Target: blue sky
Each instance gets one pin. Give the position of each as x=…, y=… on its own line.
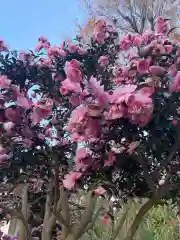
x=23, y=21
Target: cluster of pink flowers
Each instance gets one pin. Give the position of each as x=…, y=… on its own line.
x=93, y=105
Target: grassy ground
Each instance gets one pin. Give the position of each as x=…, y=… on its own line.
x=160, y=223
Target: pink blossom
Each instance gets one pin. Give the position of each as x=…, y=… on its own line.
x=161, y=182
x=105, y=219
x=40, y=45
x=100, y=191
x=3, y=47
x=110, y=160
x=148, y=91
x=3, y=158
x=53, y=51
x=72, y=70
x=13, y=114
x=174, y=122
x=143, y=65
x=168, y=48
x=57, y=77
x=157, y=70
x=103, y=61
x=82, y=159
x=161, y=26
x=126, y=42
x=81, y=51
x=80, y=126
x=42, y=39
x=137, y=40
x=70, y=179
x=70, y=86
x=72, y=48
x=140, y=109
x=23, y=102
x=172, y=70
x=2, y=150
x=98, y=91
x=117, y=108
x=41, y=110
x=8, y=126
x=175, y=84
x=45, y=62
x=4, y=82
x=75, y=100
x=99, y=33
x=63, y=90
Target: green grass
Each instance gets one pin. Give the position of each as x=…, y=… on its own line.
x=159, y=224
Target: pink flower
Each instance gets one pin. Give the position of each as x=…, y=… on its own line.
x=40, y=45
x=126, y=42
x=161, y=182
x=143, y=65
x=45, y=62
x=157, y=70
x=80, y=126
x=117, y=108
x=72, y=70
x=172, y=70
x=72, y=48
x=175, y=84
x=103, y=61
x=140, y=109
x=3, y=158
x=100, y=191
x=70, y=86
x=41, y=110
x=70, y=179
x=2, y=150
x=99, y=33
x=81, y=51
x=98, y=91
x=174, y=122
x=8, y=126
x=82, y=159
x=23, y=102
x=137, y=40
x=161, y=26
x=63, y=90
x=3, y=47
x=4, y=82
x=105, y=219
x=13, y=115
x=148, y=91
x=168, y=48
x=42, y=39
x=110, y=160
x=54, y=51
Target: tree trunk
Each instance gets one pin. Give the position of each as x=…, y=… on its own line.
x=23, y=232
x=13, y=227
x=70, y=237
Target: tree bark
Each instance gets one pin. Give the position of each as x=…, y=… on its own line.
x=23, y=224
x=139, y=217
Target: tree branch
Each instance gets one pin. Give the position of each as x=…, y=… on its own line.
x=121, y=222
x=87, y=216
x=139, y=217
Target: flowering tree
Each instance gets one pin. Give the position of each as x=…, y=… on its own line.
x=72, y=117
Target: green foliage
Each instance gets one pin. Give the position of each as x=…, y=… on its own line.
x=161, y=223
